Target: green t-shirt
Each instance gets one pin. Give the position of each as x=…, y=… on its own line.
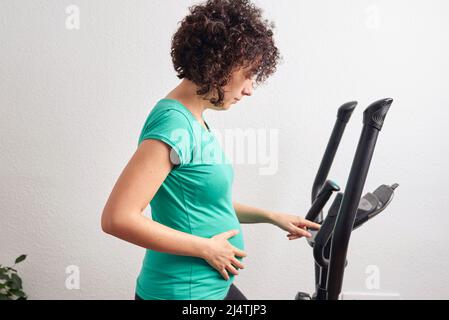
x=195, y=198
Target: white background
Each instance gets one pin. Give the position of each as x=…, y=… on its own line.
x=73, y=103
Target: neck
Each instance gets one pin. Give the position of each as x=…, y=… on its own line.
x=185, y=93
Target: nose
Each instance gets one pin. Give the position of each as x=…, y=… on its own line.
x=248, y=91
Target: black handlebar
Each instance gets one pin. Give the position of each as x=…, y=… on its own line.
x=321, y=199
x=374, y=117
x=343, y=116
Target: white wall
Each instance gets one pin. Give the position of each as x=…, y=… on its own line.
x=73, y=103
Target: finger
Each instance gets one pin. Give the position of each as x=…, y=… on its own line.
x=311, y=225
x=230, y=234
x=291, y=235
x=237, y=263
x=301, y=232
x=232, y=269
x=293, y=227
x=224, y=274
x=239, y=252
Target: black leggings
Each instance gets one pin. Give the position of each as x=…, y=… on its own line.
x=233, y=294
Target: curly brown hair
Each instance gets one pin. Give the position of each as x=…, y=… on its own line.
x=219, y=37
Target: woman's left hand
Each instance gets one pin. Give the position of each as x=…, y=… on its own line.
x=295, y=225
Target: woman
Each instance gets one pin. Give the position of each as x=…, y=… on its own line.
x=194, y=241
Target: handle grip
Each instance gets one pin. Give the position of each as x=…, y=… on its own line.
x=374, y=116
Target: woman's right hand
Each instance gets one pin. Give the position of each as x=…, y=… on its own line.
x=221, y=255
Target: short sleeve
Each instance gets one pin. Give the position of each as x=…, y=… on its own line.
x=173, y=128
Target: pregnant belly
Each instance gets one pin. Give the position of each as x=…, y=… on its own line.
x=209, y=222
x=166, y=276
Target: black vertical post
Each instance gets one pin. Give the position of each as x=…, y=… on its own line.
x=343, y=116
x=374, y=117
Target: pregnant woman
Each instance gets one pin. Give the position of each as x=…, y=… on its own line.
x=194, y=242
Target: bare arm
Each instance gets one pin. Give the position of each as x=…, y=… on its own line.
x=123, y=213
x=247, y=214
x=294, y=224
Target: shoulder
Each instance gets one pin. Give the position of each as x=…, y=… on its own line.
x=165, y=110
x=167, y=123
x=167, y=117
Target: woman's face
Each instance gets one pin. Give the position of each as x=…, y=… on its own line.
x=241, y=84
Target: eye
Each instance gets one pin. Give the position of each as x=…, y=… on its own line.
x=251, y=76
